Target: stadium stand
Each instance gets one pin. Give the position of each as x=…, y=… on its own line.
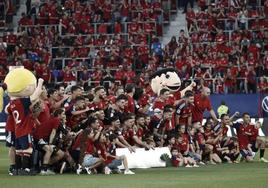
x=59, y=34
x=96, y=57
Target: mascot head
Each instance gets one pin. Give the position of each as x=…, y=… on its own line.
x=165, y=78
x=19, y=83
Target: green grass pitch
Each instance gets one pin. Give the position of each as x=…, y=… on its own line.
x=243, y=175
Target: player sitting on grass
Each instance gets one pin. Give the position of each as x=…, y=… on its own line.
x=179, y=160
x=222, y=128
x=160, y=122
x=193, y=147
x=184, y=145
x=171, y=142
x=202, y=148
x=212, y=140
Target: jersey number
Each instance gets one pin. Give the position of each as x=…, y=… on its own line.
x=16, y=116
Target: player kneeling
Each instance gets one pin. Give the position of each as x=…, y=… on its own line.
x=257, y=142
x=83, y=151
x=106, y=147
x=44, y=135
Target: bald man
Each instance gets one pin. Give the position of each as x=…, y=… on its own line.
x=201, y=104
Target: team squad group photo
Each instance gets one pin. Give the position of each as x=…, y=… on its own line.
x=134, y=87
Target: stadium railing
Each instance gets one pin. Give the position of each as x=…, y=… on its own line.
x=258, y=3
x=91, y=49
x=236, y=21
x=125, y=26
x=213, y=81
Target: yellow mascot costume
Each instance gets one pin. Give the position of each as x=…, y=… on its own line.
x=23, y=90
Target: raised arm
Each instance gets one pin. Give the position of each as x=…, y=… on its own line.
x=37, y=92
x=234, y=116
x=189, y=87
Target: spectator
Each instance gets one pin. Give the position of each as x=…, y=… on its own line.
x=243, y=19
x=202, y=103
x=222, y=109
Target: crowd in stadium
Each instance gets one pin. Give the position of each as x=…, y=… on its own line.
x=87, y=40
x=77, y=126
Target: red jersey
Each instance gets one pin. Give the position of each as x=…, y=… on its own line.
x=130, y=75
x=133, y=27
x=97, y=76
x=200, y=105
x=176, y=161
x=170, y=125
x=74, y=120
x=179, y=64
x=102, y=152
x=243, y=138
x=90, y=149
x=130, y=108
x=27, y=64
x=101, y=104
x=76, y=143
x=44, y=130
x=158, y=103
x=69, y=76
x=140, y=133
x=200, y=138
x=24, y=122
x=209, y=134
x=117, y=28
x=255, y=133
x=144, y=100
x=224, y=131
x=45, y=114
x=128, y=136
x=2, y=73
x=183, y=146
x=102, y=28
x=190, y=16
x=11, y=39
x=184, y=111
x=10, y=124
x=3, y=54
x=125, y=9
x=173, y=98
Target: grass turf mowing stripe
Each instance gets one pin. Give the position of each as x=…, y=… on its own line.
x=246, y=175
